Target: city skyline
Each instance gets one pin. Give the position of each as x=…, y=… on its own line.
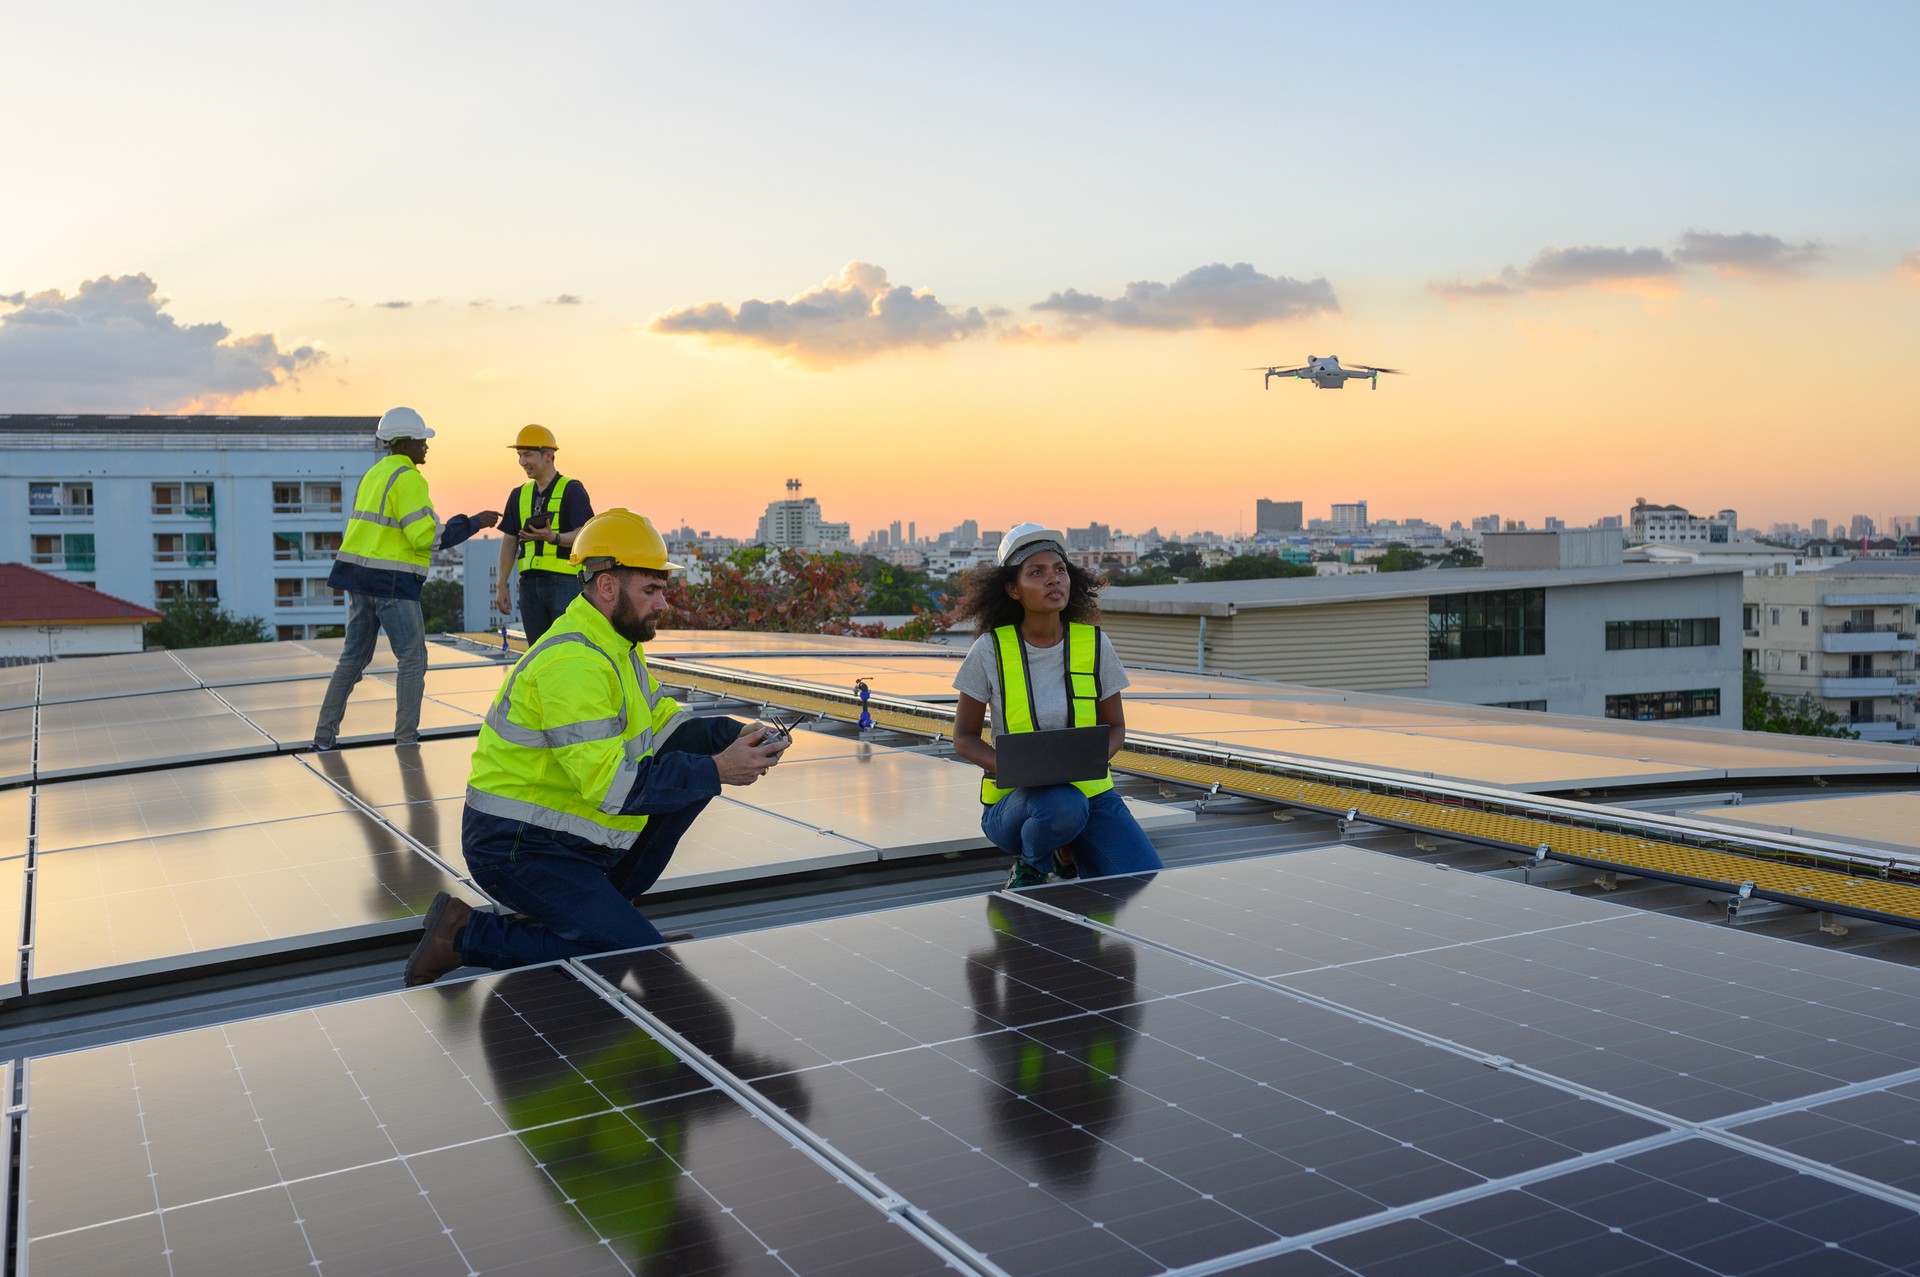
x=1018, y=263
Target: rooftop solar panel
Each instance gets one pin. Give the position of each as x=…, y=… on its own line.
x=94, y=737
x=1873, y=1135
x=163, y=904
x=1715, y=755
x=513, y=1123
x=1698, y=1022
x=120, y=674
x=19, y=686
x=287, y=711
x=1688, y=1207
x=731, y=842
x=16, y=811
x=439, y=655
x=16, y=745
x=78, y=813
x=381, y=775
x=13, y=902
x=1890, y=821
x=467, y=678
x=254, y=663
x=1134, y=1120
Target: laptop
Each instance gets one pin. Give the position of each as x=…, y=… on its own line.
x=1026, y=759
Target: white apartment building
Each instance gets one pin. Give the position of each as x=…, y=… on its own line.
x=244, y=511
x=795, y=524
x=1845, y=636
x=1673, y=525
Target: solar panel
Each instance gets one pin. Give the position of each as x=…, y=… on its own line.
x=13, y=903
x=287, y=711
x=467, y=678
x=733, y=843
x=16, y=810
x=79, y=813
x=16, y=745
x=1689, y=1207
x=512, y=1123
x=903, y=804
x=162, y=904
x=87, y=737
x=1699, y=1022
x=1873, y=1135
x=1891, y=821
x=19, y=686
x=382, y=775
x=254, y=663
x=1065, y=1101
x=120, y=674
x=439, y=655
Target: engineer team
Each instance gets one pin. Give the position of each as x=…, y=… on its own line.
x=586, y=774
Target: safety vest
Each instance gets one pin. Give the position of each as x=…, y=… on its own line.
x=543, y=556
x=1016, y=696
x=568, y=731
x=392, y=523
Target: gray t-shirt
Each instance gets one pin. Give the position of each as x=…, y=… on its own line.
x=979, y=677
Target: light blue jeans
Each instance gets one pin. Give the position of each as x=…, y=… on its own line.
x=406, y=631
x=1100, y=831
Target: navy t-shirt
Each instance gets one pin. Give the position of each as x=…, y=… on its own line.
x=575, y=508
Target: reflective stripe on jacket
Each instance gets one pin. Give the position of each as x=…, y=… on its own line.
x=545, y=556
x=569, y=730
x=392, y=525
x=1016, y=693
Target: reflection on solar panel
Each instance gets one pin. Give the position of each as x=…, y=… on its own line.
x=160, y=904
x=79, y=813
x=19, y=686
x=732, y=842
x=1891, y=821
x=16, y=745
x=86, y=737
x=13, y=901
x=125, y=674
x=382, y=775
x=513, y=1123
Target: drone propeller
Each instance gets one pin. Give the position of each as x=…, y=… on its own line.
x=1395, y=371
x=1275, y=371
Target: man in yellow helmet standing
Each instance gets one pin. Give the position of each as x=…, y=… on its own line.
x=585, y=775
x=381, y=564
x=542, y=517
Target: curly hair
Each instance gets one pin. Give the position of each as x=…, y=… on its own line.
x=985, y=602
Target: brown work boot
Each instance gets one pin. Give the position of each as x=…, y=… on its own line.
x=439, y=949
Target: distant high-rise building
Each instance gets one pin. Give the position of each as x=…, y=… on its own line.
x=1611, y=521
x=913, y=536
x=1860, y=526
x=1278, y=516
x=1350, y=516
x=1672, y=525
x=1556, y=524
x=894, y=539
x=1819, y=529
x=1092, y=537
x=795, y=523
x=1486, y=523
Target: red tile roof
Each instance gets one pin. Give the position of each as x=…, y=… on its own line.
x=29, y=596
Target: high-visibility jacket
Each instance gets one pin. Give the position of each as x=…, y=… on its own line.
x=1016, y=694
x=569, y=731
x=392, y=527
x=545, y=556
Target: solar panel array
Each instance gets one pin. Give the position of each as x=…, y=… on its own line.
x=1325, y=1062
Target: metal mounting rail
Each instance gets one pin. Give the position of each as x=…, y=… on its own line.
x=1877, y=888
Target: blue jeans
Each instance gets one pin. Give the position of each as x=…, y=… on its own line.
x=1100, y=831
x=576, y=900
x=543, y=597
x=406, y=631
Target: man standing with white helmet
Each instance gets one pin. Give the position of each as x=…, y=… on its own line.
x=381, y=564
x=542, y=517
x=586, y=775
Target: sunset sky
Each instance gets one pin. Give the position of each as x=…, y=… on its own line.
x=991, y=261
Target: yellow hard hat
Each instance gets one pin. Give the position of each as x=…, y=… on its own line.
x=535, y=437
x=622, y=537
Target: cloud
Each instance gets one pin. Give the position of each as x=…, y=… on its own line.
x=110, y=348
x=853, y=316
x=1483, y=290
x=1908, y=271
x=393, y=305
x=1553, y=269
x=1215, y=296
x=565, y=299
x=1747, y=253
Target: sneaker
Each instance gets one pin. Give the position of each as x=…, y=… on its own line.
x=1024, y=875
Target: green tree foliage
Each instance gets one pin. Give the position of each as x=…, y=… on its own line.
x=895, y=591
x=444, y=604
x=1400, y=558
x=1762, y=711
x=1253, y=567
x=186, y=622
x=1464, y=556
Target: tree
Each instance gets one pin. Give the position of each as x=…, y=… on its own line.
x=788, y=591
x=444, y=605
x=188, y=622
x=892, y=591
x=1464, y=556
x=1253, y=567
x=1400, y=558
x=1762, y=711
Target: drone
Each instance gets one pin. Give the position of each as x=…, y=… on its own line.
x=1325, y=372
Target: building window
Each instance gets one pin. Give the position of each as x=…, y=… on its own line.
x=294, y=497
x=1803, y=662
x=1701, y=631
x=59, y=498
x=289, y=592
x=202, y=591
x=305, y=547
x=1540, y=706
x=194, y=549
x=1653, y=707
x=1804, y=616
x=1774, y=616
x=288, y=633
x=69, y=552
x=1491, y=623
x=176, y=497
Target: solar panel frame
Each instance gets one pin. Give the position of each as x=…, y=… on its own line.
x=104, y=809
x=82, y=738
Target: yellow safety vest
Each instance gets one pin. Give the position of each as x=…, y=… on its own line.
x=392, y=523
x=569, y=730
x=543, y=556
x=1016, y=697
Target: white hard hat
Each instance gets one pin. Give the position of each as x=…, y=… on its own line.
x=401, y=423
x=1028, y=539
